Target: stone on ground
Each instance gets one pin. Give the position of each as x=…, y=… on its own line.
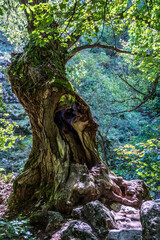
x=99, y=217
x=77, y=230
x=125, y=235
x=150, y=218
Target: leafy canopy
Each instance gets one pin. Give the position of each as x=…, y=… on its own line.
x=63, y=22
x=67, y=20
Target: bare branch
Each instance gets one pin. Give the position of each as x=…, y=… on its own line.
x=124, y=80
x=92, y=94
x=126, y=100
x=114, y=35
x=146, y=98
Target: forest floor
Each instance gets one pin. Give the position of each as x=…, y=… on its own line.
x=5, y=192
x=126, y=217
x=6, y=188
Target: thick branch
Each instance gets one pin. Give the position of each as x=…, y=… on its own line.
x=96, y=45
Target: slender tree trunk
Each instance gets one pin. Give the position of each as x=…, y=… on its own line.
x=64, y=168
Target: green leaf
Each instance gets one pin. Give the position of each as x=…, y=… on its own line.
x=62, y=6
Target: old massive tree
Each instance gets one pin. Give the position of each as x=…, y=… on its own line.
x=64, y=167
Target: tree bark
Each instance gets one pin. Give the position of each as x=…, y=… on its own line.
x=64, y=168
x=64, y=132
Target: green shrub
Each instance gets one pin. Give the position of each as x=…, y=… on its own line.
x=140, y=160
x=16, y=229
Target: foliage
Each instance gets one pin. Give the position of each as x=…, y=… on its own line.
x=65, y=21
x=13, y=24
x=13, y=127
x=7, y=139
x=13, y=160
x=142, y=159
x=15, y=229
x=5, y=51
x=142, y=20
x=5, y=177
x=94, y=74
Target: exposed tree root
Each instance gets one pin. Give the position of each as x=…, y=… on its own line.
x=83, y=186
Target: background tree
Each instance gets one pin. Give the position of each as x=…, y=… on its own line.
x=64, y=133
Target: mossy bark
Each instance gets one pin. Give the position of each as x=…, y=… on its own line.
x=64, y=168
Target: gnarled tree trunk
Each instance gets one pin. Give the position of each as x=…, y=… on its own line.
x=64, y=132
x=64, y=168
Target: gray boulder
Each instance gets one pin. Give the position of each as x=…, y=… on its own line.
x=125, y=234
x=99, y=217
x=77, y=213
x=77, y=230
x=150, y=219
x=54, y=220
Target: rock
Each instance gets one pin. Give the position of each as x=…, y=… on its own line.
x=39, y=218
x=116, y=206
x=77, y=213
x=126, y=217
x=99, y=217
x=128, y=209
x=157, y=195
x=133, y=192
x=150, y=219
x=124, y=235
x=54, y=220
x=77, y=230
x=46, y=220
